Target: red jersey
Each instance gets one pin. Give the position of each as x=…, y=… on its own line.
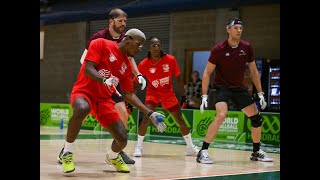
x=104, y=33
x=231, y=63
x=110, y=60
x=159, y=74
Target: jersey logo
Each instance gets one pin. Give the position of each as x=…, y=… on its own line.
x=155, y=83
x=112, y=58
x=165, y=67
x=164, y=81
x=242, y=53
x=123, y=68
x=152, y=70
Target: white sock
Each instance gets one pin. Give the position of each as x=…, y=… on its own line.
x=140, y=140
x=112, y=155
x=188, y=140
x=67, y=147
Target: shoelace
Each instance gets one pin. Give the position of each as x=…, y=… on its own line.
x=261, y=154
x=205, y=154
x=120, y=160
x=67, y=159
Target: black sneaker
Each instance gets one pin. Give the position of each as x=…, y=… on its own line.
x=59, y=157
x=126, y=158
x=260, y=156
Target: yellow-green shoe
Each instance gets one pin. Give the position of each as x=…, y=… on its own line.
x=67, y=162
x=119, y=163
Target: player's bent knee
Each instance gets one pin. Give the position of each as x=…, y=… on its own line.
x=256, y=120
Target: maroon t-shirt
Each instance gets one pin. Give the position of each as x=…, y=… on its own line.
x=104, y=33
x=231, y=63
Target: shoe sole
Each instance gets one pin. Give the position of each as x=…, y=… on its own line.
x=116, y=167
x=202, y=162
x=135, y=155
x=69, y=171
x=258, y=159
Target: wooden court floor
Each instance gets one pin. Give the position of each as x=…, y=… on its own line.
x=159, y=161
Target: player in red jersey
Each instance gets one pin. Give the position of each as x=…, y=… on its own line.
x=115, y=32
x=106, y=65
x=158, y=68
x=229, y=59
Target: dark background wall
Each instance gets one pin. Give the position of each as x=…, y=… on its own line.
x=193, y=28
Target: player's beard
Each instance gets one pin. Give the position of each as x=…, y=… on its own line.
x=119, y=30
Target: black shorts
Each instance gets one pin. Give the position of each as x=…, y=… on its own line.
x=116, y=98
x=239, y=96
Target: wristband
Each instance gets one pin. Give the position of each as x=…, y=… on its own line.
x=149, y=114
x=139, y=75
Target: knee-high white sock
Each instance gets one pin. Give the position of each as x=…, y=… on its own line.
x=188, y=140
x=112, y=155
x=140, y=140
x=67, y=147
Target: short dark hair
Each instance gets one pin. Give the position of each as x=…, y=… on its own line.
x=197, y=72
x=116, y=12
x=234, y=21
x=161, y=53
x=153, y=37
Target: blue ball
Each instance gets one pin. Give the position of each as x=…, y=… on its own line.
x=159, y=118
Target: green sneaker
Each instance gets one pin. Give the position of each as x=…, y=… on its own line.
x=67, y=162
x=119, y=163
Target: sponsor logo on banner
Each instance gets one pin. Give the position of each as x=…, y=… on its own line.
x=270, y=128
x=52, y=114
x=231, y=128
x=172, y=126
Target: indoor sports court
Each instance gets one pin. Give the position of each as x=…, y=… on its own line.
x=160, y=159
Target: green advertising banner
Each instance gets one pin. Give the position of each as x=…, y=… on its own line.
x=52, y=114
x=270, y=128
x=230, y=130
x=235, y=128
x=90, y=123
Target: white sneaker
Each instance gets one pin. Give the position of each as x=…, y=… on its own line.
x=137, y=152
x=193, y=151
x=203, y=157
x=261, y=156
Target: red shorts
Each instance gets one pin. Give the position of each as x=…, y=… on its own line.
x=169, y=102
x=102, y=110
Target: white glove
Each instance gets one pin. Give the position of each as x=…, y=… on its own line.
x=204, y=103
x=141, y=81
x=111, y=83
x=262, y=101
x=157, y=120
